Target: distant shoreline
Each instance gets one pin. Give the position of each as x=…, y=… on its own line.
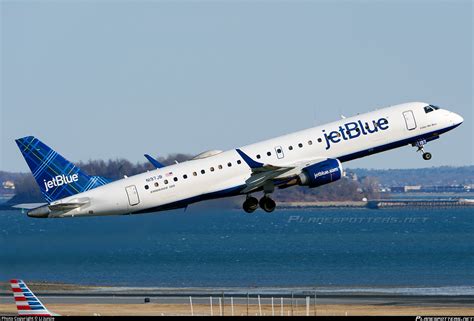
x=372, y=204
x=54, y=288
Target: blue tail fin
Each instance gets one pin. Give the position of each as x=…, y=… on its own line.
x=55, y=175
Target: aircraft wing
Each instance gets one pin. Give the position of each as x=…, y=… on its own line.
x=263, y=173
x=65, y=206
x=153, y=161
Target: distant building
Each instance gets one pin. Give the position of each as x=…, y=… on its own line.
x=8, y=185
x=432, y=189
x=7, y=191
x=412, y=188
x=397, y=189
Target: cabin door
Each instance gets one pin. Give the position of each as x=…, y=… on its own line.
x=409, y=120
x=132, y=194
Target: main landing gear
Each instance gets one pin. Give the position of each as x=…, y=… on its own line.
x=265, y=203
x=250, y=204
x=420, y=144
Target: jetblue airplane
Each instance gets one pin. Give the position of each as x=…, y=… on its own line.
x=27, y=304
x=310, y=157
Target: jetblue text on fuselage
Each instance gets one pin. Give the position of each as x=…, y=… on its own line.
x=60, y=180
x=353, y=130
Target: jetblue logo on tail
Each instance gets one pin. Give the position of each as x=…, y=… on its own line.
x=60, y=180
x=353, y=130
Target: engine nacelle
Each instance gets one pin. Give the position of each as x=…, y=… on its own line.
x=321, y=173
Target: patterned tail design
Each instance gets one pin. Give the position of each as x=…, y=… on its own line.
x=26, y=302
x=56, y=176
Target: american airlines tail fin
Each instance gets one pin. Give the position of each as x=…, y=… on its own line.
x=55, y=175
x=26, y=301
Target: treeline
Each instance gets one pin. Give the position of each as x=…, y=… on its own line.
x=27, y=191
x=443, y=175
x=117, y=168
x=366, y=186
x=345, y=189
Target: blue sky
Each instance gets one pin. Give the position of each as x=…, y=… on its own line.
x=99, y=80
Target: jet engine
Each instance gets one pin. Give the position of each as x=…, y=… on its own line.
x=321, y=173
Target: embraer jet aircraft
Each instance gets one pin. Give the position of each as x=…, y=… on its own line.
x=27, y=304
x=311, y=158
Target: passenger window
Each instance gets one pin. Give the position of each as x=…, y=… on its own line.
x=290, y=147
x=269, y=154
x=239, y=161
x=220, y=166
x=278, y=150
x=258, y=156
x=319, y=140
x=300, y=145
x=203, y=171
x=156, y=184
x=175, y=179
x=195, y=174
x=229, y=164
x=165, y=181
x=146, y=187
x=185, y=176
x=310, y=142
x=212, y=169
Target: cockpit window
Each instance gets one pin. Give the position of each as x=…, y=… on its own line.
x=430, y=108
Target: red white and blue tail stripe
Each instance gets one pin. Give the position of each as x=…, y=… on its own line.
x=26, y=302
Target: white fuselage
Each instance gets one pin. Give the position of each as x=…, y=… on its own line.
x=225, y=173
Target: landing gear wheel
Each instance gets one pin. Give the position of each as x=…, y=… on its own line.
x=267, y=204
x=250, y=204
x=426, y=156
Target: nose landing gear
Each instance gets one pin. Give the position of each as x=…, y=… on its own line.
x=426, y=156
x=420, y=144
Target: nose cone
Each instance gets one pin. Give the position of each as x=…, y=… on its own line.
x=456, y=119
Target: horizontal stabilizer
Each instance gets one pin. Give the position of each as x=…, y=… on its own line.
x=66, y=206
x=29, y=206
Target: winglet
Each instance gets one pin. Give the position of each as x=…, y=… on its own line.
x=252, y=164
x=154, y=162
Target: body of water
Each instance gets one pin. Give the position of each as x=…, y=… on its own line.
x=358, y=247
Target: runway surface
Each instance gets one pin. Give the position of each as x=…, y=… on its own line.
x=203, y=298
